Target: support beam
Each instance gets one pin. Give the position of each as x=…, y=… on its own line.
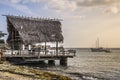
x=57, y=48
x=63, y=61
x=51, y=62
x=23, y=47
x=45, y=49
x=12, y=42
x=42, y=63
x=29, y=47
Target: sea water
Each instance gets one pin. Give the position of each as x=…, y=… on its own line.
x=89, y=65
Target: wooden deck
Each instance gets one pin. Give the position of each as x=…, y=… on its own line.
x=24, y=58
x=39, y=56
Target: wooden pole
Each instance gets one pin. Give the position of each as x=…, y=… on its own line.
x=63, y=61
x=45, y=48
x=51, y=62
x=12, y=42
x=20, y=46
x=29, y=48
x=56, y=47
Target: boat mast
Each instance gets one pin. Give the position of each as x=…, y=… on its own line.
x=97, y=43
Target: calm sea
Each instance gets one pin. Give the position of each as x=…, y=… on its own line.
x=89, y=65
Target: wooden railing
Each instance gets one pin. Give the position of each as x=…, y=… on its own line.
x=71, y=53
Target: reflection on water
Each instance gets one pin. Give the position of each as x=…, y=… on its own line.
x=99, y=65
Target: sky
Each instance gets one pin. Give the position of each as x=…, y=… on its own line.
x=83, y=21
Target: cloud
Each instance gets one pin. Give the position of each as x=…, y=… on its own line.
x=23, y=8
x=112, y=9
x=24, y=1
x=57, y=5
x=111, y=6
x=69, y=3
x=19, y=7
x=90, y=3
x=62, y=5
x=32, y=1
x=14, y=1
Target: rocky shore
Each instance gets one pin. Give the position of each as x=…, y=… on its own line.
x=13, y=72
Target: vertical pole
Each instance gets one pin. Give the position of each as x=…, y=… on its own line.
x=39, y=52
x=29, y=48
x=57, y=48
x=0, y=56
x=12, y=42
x=63, y=61
x=23, y=47
x=51, y=62
x=45, y=48
x=20, y=47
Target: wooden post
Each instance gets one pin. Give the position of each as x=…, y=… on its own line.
x=57, y=48
x=29, y=48
x=39, y=52
x=51, y=62
x=42, y=63
x=12, y=42
x=0, y=56
x=45, y=48
x=63, y=61
x=20, y=47
x=23, y=47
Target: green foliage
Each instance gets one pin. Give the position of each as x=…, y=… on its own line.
x=2, y=41
x=2, y=34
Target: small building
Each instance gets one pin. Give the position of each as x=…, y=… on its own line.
x=26, y=31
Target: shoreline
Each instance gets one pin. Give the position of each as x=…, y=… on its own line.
x=9, y=72
x=21, y=72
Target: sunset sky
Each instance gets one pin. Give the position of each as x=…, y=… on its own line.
x=83, y=20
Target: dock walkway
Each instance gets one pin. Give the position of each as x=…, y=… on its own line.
x=37, y=56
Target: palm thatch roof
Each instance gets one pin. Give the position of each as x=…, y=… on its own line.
x=34, y=30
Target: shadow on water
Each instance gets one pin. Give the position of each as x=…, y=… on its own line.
x=40, y=64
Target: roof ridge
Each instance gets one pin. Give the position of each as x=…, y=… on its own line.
x=33, y=18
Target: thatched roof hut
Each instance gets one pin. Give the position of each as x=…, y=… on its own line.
x=34, y=30
x=28, y=30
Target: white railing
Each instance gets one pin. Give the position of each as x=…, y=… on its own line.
x=43, y=53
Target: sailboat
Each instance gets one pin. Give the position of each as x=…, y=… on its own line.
x=99, y=49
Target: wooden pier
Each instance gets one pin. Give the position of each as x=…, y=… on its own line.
x=24, y=58
x=26, y=32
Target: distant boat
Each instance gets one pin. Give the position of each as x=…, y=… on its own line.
x=99, y=49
